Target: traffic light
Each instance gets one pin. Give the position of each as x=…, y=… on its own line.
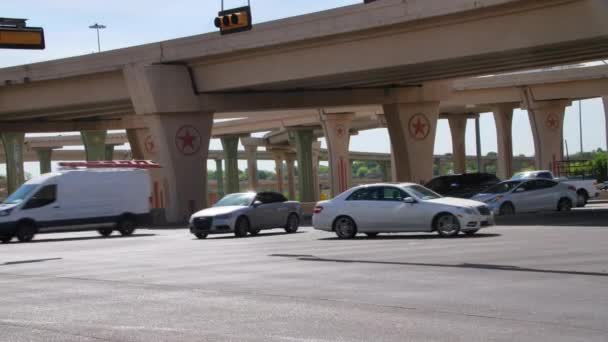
x=15, y=35
x=234, y=20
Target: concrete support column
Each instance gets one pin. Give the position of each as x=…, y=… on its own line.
x=503, y=117
x=137, y=141
x=316, y=151
x=605, y=99
x=183, y=147
x=219, y=177
x=278, y=162
x=231, y=145
x=547, y=120
x=252, y=164
x=109, y=155
x=412, y=130
x=178, y=135
x=13, y=150
x=337, y=134
x=385, y=169
x=94, y=144
x=458, y=128
x=437, y=163
x=291, y=179
x=304, y=139
x=144, y=146
x=44, y=158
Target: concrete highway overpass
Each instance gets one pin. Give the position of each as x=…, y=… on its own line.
x=389, y=53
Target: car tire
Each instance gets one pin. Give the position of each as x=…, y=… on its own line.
x=293, y=223
x=507, y=209
x=241, y=227
x=371, y=235
x=6, y=239
x=345, y=227
x=200, y=236
x=254, y=232
x=26, y=231
x=564, y=205
x=447, y=225
x=581, y=198
x=470, y=232
x=105, y=232
x=126, y=226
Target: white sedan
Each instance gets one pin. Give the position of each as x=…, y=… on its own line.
x=393, y=208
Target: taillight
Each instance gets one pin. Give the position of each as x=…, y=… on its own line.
x=318, y=209
x=571, y=188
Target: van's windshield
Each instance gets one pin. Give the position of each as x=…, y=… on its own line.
x=20, y=195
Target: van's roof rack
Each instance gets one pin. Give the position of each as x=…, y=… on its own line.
x=112, y=164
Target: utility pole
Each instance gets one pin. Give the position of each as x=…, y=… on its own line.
x=97, y=27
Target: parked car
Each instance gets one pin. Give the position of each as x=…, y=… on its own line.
x=391, y=208
x=585, y=188
x=76, y=200
x=250, y=212
x=462, y=186
x=528, y=195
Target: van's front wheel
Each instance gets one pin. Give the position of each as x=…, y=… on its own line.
x=127, y=226
x=26, y=231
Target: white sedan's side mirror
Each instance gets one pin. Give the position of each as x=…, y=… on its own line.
x=409, y=200
x=256, y=204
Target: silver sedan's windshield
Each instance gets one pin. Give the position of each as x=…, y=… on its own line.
x=20, y=195
x=243, y=199
x=502, y=188
x=422, y=192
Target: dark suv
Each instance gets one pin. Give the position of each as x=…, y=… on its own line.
x=463, y=186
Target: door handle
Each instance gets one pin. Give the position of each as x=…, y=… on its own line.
x=56, y=207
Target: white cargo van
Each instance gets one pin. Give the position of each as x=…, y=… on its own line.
x=75, y=200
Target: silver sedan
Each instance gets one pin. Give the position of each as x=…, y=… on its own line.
x=247, y=213
x=528, y=195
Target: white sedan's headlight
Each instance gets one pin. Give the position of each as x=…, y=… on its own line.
x=5, y=212
x=223, y=217
x=467, y=211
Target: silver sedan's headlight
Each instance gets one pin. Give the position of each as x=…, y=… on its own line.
x=5, y=212
x=223, y=217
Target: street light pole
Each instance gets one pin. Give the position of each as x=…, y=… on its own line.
x=97, y=27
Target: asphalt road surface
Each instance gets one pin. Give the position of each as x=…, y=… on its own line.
x=511, y=283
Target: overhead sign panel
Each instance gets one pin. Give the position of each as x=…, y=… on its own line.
x=15, y=35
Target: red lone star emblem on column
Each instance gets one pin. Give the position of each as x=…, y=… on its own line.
x=188, y=140
x=149, y=144
x=552, y=121
x=419, y=127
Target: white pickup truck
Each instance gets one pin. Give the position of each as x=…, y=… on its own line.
x=585, y=188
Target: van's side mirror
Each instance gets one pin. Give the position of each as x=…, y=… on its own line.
x=409, y=200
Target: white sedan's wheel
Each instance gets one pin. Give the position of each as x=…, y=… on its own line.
x=447, y=225
x=345, y=228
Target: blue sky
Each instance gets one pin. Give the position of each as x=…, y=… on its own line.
x=134, y=22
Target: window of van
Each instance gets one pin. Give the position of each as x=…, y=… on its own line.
x=20, y=195
x=44, y=196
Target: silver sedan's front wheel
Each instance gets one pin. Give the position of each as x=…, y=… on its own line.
x=447, y=225
x=345, y=228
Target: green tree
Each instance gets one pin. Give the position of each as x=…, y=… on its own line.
x=362, y=172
